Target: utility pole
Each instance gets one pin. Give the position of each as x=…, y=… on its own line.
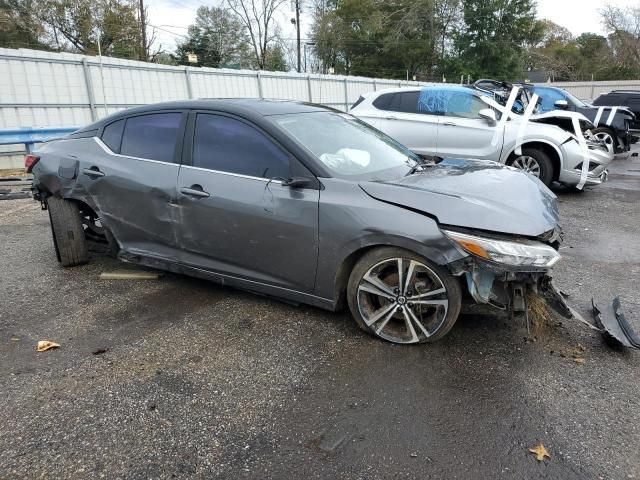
x=297, y=28
x=143, y=32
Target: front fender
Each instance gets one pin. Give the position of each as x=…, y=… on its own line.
x=508, y=150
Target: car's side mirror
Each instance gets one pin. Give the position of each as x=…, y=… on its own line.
x=561, y=104
x=298, y=182
x=489, y=115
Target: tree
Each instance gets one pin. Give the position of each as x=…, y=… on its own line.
x=257, y=17
x=218, y=38
x=77, y=25
x=275, y=60
x=494, y=36
x=623, y=27
x=19, y=27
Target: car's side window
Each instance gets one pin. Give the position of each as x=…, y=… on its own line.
x=463, y=105
x=152, y=136
x=432, y=101
x=548, y=98
x=228, y=145
x=404, y=102
x=112, y=135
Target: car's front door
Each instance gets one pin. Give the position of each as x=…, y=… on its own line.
x=462, y=133
x=132, y=182
x=236, y=217
x=402, y=120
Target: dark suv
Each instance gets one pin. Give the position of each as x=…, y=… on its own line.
x=625, y=98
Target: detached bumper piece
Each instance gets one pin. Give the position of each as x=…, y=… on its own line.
x=614, y=325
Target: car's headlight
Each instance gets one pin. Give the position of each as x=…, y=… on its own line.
x=522, y=253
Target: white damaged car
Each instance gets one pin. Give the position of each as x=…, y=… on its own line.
x=452, y=121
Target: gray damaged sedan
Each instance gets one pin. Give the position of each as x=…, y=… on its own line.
x=304, y=203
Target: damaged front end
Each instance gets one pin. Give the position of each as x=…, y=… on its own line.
x=503, y=271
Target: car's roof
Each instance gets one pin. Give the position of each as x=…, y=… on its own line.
x=626, y=92
x=453, y=87
x=259, y=106
x=240, y=106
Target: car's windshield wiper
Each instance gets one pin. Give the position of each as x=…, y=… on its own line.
x=418, y=167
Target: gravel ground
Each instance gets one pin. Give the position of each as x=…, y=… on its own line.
x=204, y=382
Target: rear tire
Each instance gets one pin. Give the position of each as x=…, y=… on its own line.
x=68, y=235
x=536, y=162
x=401, y=297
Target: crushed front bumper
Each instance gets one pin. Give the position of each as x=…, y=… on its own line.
x=506, y=289
x=598, y=157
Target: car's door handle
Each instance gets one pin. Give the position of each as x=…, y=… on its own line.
x=195, y=191
x=93, y=172
x=391, y=117
x=449, y=124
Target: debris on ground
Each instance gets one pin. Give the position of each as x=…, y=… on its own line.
x=44, y=345
x=614, y=325
x=101, y=350
x=538, y=312
x=540, y=452
x=129, y=275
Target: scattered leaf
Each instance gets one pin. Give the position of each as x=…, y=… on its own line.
x=540, y=452
x=44, y=345
x=579, y=361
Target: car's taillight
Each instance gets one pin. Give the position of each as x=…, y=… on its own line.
x=30, y=161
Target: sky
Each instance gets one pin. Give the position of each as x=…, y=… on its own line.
x=174, y=16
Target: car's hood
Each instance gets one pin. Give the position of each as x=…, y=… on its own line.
x=561, y=114
x=474, y=194
x=591, y=113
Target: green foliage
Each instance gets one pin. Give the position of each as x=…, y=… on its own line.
x=19, y=27
x=218, y=38
x=495, y=32
x=275, y=59
x=78, y=24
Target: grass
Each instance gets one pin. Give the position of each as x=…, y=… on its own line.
x=539, y=314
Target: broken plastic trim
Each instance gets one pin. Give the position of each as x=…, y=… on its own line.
x=614, y=325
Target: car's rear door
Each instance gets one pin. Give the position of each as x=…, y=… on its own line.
x=402, y=120
x=133, y=182
x=236, y=217
x=463, y=133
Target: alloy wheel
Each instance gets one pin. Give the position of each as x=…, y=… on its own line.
x=527, y=164
x=402, y=300
x=606, y=138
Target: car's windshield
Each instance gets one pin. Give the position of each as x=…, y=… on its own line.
x=576, y=101
x=348, y=147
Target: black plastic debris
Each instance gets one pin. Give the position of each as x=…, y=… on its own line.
x=614, y=325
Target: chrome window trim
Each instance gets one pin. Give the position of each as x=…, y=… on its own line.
x=239, y=175
x=111, y=152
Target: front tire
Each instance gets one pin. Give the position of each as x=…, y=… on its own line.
x=534, y=161
x=401, y=297
x=68, y=235
x=607, y=136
